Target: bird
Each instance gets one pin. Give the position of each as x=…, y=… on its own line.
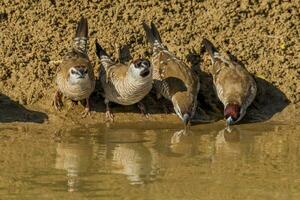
x=233, y=84
x=75, y=77
x=124, y=84
x=172, y=78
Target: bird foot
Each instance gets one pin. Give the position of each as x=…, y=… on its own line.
x=57, y=102
x=109, y=116
x=142, y=108
x=86, y=113
x=74, y=103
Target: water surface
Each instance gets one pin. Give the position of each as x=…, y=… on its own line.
x=253, y=161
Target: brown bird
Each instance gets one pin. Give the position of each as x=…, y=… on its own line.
x=75, y=76
x=124, y=84
x=234, y=85
x=173, y=79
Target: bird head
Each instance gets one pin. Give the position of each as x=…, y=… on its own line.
x=140, y=68
x=78, y=73
x=232, y=113
x=184, y=106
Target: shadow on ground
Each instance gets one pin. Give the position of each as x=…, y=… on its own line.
x=269, y=101
x=11, y=111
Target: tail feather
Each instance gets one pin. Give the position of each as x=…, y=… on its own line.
x=152, y=33
x=82, y=28
x=149, y=34
x=81, y=36
x=212, y=50
x=155, y=32
x=103, y=56
x=100, y=51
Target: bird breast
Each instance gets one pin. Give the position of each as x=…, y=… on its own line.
x=126, y=91
x=76, y=92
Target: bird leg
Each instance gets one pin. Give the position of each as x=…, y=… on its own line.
x=108, y=114
x=57, y=101
x=142, y=108
x=74, y=103
x=167, y=109
x=87, y=108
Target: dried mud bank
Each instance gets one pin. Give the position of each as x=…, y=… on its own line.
x=264, y=35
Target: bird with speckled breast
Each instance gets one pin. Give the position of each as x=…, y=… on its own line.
x=173, y=79
x=124, y=84
x=234, y=85
x=75, y=77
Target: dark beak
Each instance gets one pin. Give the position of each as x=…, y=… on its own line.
x=186, y=119
x=81, y=72
x=230, y=121
x=145, y=72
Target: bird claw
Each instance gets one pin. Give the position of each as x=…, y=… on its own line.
x=57, y=104
x=86, y=112
x=143, y=110
x=109, y=116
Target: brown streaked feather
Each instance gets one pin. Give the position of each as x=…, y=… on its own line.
x=115, y=71
x=77, y=57
x=78, y=92
x=173, y=79
x=118, y=85
x=67, y=64
x=172, y=72
x=233, y=83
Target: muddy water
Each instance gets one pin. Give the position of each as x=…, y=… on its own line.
x=253, y=161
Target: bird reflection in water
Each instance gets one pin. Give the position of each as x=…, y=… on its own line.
x=184, y=142
x=75, y=158
x=134, y=157
x=228, y=141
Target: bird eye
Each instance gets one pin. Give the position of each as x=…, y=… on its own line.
x=137, y=65
x=72, y=71
x=145, y=63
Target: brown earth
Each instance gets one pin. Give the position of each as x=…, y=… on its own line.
x=263, y=34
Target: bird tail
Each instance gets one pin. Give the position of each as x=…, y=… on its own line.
x=103, y=56
x=152, y=34
x=212, y=50
x=81, y=36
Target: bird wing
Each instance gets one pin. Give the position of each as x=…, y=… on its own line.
x=174, y=73
x=234, y=83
